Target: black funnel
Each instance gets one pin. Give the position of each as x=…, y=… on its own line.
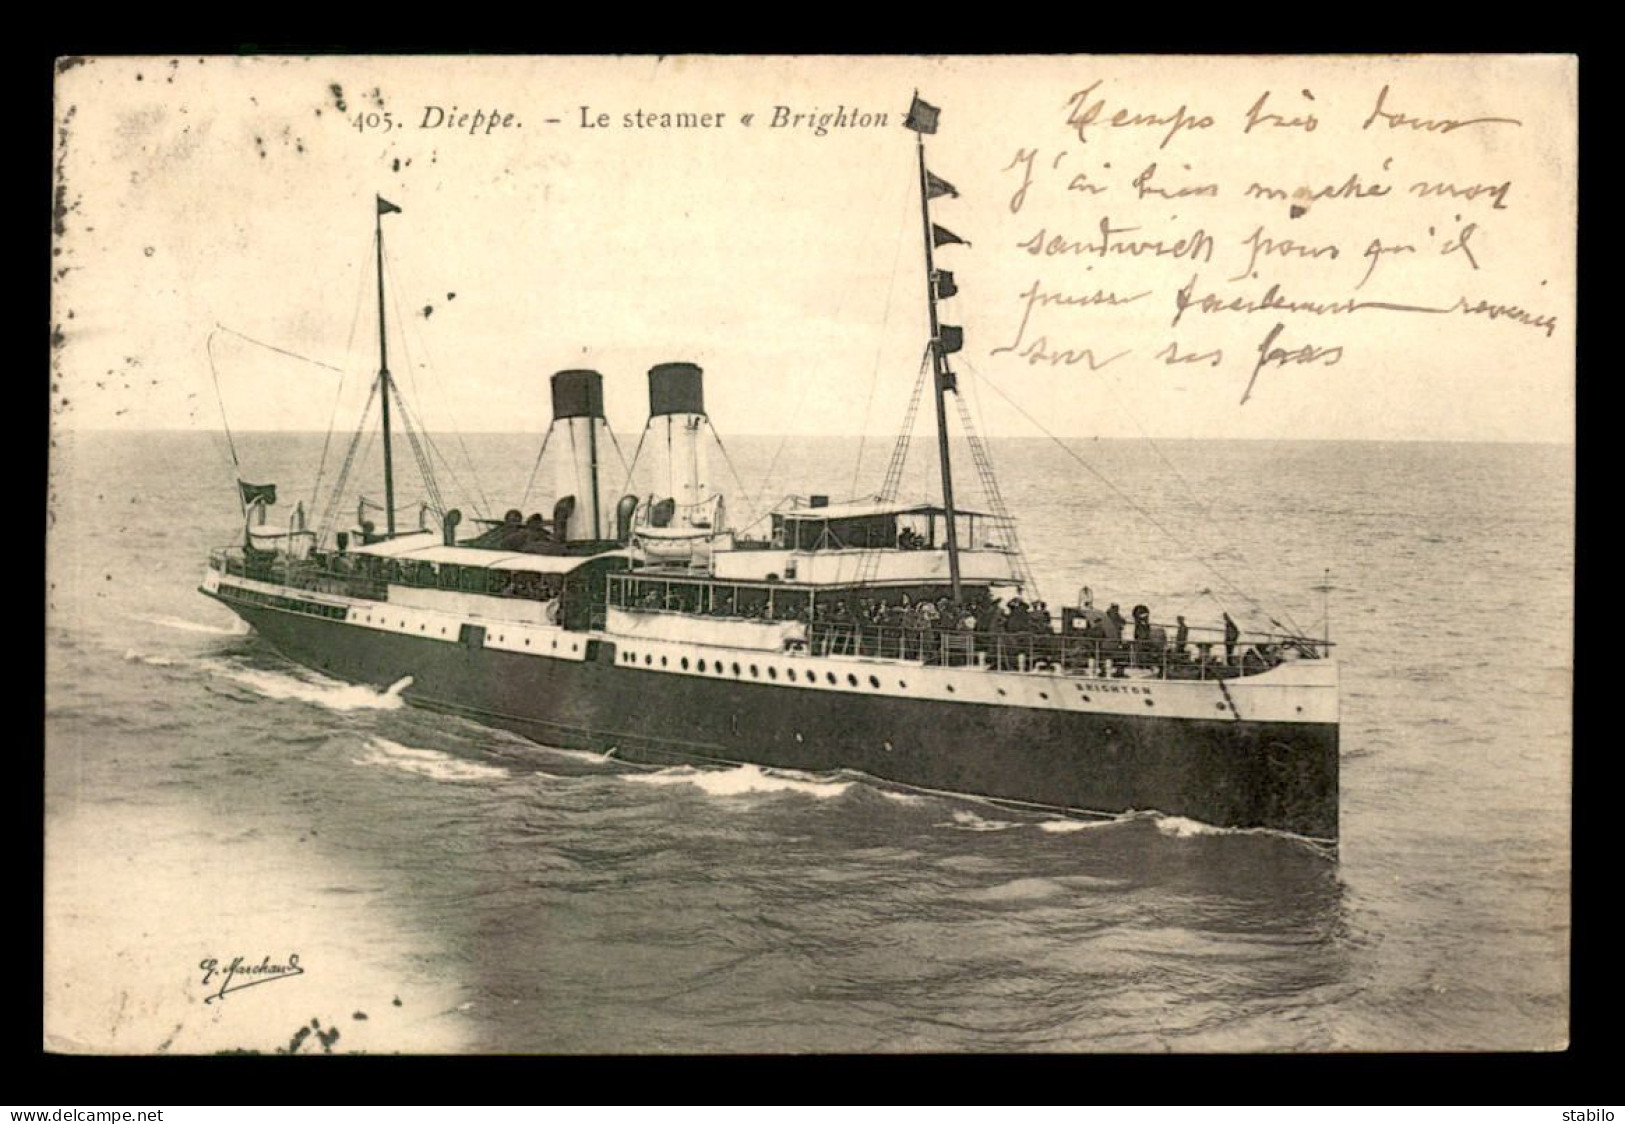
x=578, y=394
x=676, y=388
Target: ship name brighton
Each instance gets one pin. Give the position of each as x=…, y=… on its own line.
x=818, y=121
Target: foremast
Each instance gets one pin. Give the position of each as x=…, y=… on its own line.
x=945, y=338
x=385, y=207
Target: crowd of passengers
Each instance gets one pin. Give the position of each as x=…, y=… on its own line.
x=1009, y=634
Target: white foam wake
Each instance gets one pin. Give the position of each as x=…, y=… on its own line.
x=236, y=628
x=133, y=656
x=743, y=780
x=1181, y=828
x=1066, y=827
x=970, y=821
x=309, y=687
x=429, y=763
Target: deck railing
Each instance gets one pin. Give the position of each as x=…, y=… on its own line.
x=1016, y=651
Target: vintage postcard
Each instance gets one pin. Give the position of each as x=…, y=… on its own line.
x=698, y=554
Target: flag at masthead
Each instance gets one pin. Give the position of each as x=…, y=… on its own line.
x=945, y=339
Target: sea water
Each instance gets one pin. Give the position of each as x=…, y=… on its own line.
x=442, y=887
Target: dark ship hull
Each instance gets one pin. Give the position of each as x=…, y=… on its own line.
x=864, y=635
x=1279, y=775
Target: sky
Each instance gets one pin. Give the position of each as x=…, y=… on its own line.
x=215, y=222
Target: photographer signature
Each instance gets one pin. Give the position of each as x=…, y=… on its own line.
x=238, y=974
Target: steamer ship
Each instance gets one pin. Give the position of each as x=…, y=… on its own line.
x=881, y=635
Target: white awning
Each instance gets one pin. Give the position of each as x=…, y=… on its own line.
x=416, y=549
x=548, y=563
x=399, y=545
x=458, y=556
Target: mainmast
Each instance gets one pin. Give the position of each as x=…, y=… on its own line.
x=385, y=207
x=945, y=339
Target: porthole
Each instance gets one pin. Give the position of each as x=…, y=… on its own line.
x=1042, y=695
x=527, y=641
x=1218, y=706
x=852, y=680
x=831, y=677
x=647, y=659
x=719, y=667
x=736, y=669
x=701, y=666
x=1001, y=690
x=442, y=632
x=791, y=674
x=662, y=661
x=423, y=628
x=902, y=684
x=754, y=674
x=575, y=647
x=555, y=645
x=950, y=688
x=874, y=681
x=1086, y=698
x=1150, y=702
x=684, y=662
x=772, y=672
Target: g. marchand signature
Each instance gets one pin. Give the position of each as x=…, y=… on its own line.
x=238, y=974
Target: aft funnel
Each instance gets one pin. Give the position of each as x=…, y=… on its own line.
x=676, y=388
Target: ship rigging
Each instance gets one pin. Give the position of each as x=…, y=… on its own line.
x=902, y=638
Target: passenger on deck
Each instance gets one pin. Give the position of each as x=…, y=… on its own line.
x=1039, y=620
x=930, y=615
x=1015, y=619
x=987, y=614
x=1114, y=622
x=1181, y=635
x=1231, y=634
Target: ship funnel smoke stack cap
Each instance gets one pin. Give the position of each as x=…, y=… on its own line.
x=578, y=394
x=676, y=388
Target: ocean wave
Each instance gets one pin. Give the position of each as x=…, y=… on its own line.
x=133, y=656
x=429, y=763
x=585, y=756
x=237, y=628
x=1017, y=890
x=1182, y=828
x=970, y=821
x=1066, y=827
x=306, y=686
x=743, y=780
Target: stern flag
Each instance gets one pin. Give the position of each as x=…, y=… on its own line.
x=945, y=285
x=950, y=338
x=942, y=236
x=922, y=116
x=935, y=187
x=385, y=207
x=257, y=493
